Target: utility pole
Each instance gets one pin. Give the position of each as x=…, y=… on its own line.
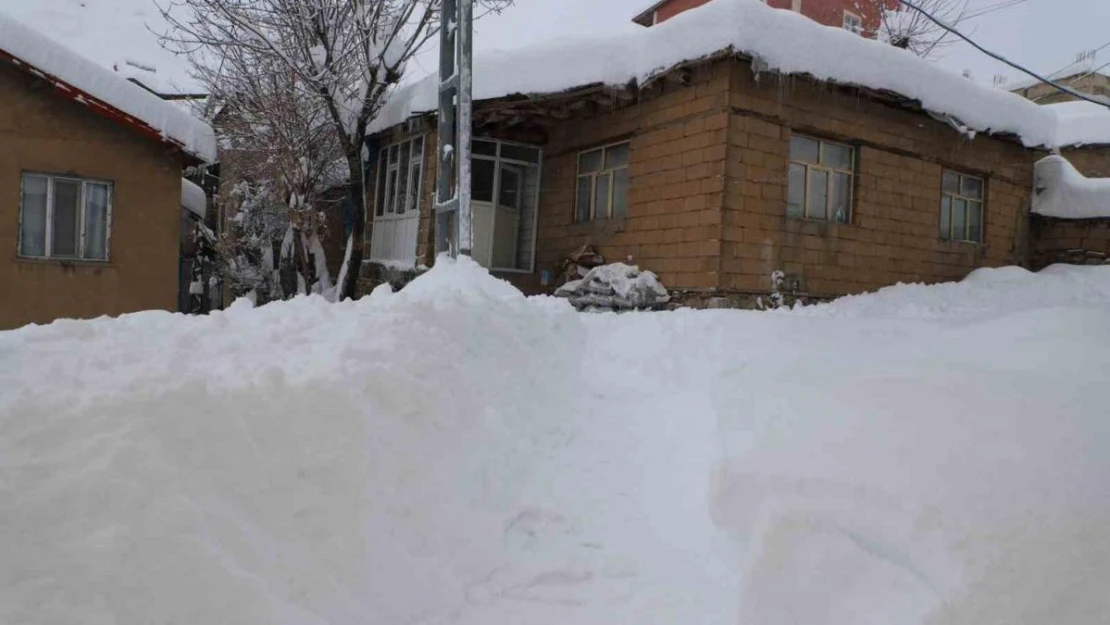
x=456, y=52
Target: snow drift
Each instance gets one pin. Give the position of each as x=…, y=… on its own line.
x=1060, y=190
x=458, y=453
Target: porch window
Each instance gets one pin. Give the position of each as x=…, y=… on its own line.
x=504, y=184
x=961, y=207
x=820, y=179
x=64, y=218
x=400, y=170
x=602, y=191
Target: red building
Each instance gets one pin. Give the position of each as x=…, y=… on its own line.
x=861, y=16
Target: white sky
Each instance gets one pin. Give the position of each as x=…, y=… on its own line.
x=1044, y=34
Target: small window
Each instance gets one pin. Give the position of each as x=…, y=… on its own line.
x=64, y=218
x=602, y=188
x=961, y=207
x=819, y=183
x=853, y=23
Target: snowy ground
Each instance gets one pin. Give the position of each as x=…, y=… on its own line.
x=457, y=453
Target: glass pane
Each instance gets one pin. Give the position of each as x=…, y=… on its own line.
x=620, y=192
x=582, y=203
x=507, y=217
x=601, y=197
x=972, y=187
x=403, y=183
x=975, y=221
x=380, y=206
x=481, y=180
x=959, y=220
x=616, y=156
x=841, y=197
x=946, y=217
x=96, y=221
x=414, y=188
x=390, y=190
x=66, y=195
x=796, y=191
x=836, y=156
x=589, y=161
x=804, y=149
x=417, y=148
x=32, y=234
x=393, y=151
x=520, y=153
x=951, y=183
x=486, y=148
x=818, y=197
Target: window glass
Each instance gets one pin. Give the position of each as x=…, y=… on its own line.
x=481, y=180
x=841, y=197
x=817, y=198
x=380, y=207
x=417, y=148
x=589, y=162
x=33, y=217
x=620, y=192
x=804, y=149
x=616, y=156
x=520, y=153
x=974, y=221
x=836, y=156
x=403, y=179
x=946, y=217
x=959, y=220
x=796, y=191
x=951, y=183
x=601, y=197
x=413, y=198
x=393, y=151
x=65, y=223
x=96, y=221
x=972, y=187
x=485, y=148
x=582, y=203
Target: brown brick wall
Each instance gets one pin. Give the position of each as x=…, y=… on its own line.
x=893, y=234
x=42, y=132
x=1080, y=241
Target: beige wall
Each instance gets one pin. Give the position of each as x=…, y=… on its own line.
x=42, y=132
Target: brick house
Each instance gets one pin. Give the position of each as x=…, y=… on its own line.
x=90, y=176
x=717, y=172
x=858, y=16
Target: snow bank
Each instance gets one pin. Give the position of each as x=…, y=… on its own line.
x=68, y=70
x=193, y=198
x=458, y=453
x=1060, y=190
x=784, y=41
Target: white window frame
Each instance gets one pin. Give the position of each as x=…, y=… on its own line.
x=497, y=160
x=594, y=175
x=48, y=247
x=850, y=17
x=969, y=200
x=830, y=170
x=383, y=178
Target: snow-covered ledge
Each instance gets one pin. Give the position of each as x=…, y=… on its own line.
x=1060, y=190
x=193, y=198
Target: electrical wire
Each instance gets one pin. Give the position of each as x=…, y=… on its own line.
x=1064, y=88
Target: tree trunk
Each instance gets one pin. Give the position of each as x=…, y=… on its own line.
x=357, y=193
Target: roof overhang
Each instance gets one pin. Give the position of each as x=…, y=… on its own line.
x=647, y=18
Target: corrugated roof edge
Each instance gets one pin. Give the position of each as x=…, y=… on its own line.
x=106, y=93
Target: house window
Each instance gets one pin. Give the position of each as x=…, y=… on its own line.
x=961, y=207
x=64, y=218
x=400, y=170
x=602, y=183
x=852, y=22
x=820, y=179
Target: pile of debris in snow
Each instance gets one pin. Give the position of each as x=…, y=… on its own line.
x=616, y=286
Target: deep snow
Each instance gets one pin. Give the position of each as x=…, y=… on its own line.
x=458, y=453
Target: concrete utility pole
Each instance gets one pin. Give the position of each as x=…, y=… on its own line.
x=456, y=52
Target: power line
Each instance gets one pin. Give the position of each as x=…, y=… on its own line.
x=1068, y=90
x=1005, y=4
x=1077, y=61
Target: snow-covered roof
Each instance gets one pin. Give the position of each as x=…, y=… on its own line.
x=784, y=41
x=104, y=91
x=1081, y=123
x=193, y=198
x=1061, y=191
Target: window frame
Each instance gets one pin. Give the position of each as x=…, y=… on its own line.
x=497, y=159
x=82, y=221
x=594, y=175
x=853, y=156
x=383, y=184
x=858, y=29
x=981, y=201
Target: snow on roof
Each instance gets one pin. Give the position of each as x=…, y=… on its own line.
x=70, y=72
x=1081, y=123
x=1062, y=191
x=193, y=198
x=785, y=41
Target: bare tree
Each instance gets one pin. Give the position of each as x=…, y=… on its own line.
x=345, y=55
x=906, y=28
